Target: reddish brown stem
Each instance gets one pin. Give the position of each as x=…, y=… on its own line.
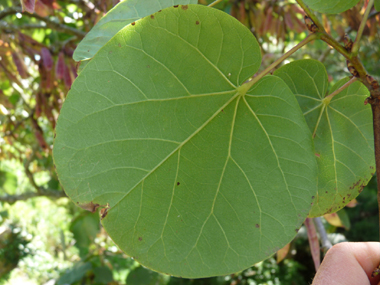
x=375, y=104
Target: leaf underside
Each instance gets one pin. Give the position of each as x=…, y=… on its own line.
x=331, y=6
x=121, y=15
x=201, y=179
x=344, y=133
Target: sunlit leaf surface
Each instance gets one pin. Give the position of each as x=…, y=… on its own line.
x=331, y=6
x=121, y=15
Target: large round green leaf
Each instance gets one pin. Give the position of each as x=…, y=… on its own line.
x=121, y=15
x=203, y=177
x=331, y=6
x=343, y=133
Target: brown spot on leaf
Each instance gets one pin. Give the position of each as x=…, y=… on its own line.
x=197, y=22
x=159, y=10
x=89, y=206
x=133, y=23
x=312, y=197
x=184, y=7
x=317, y=155
x=152, y=16
x=257, y=226
x=326, y=192
x=371, y=167
x=297, y=230
x=178, y=183
x=140, y=238
x=175, y=6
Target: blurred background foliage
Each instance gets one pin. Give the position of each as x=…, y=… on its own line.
x=44, y=238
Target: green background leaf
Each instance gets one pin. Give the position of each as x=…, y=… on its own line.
x=344, y=136
x=141, y=275
x=201, y=178
x=85, y=227
x=8, y=182
x=103, y=275
x=75, y=273
x=377, y=5
x=331, y=6
x=121, y=15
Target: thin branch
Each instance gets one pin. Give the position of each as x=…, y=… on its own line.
x=214, y=3
x=313, y=242
x=311, y=16
x=340, y=89
x=356, y=45
x=326, y=243
x=250, y=82
x=335, y=44
x=30, y=176
x=8, y=11
x=18, y=124
x=49, y=23
x=13, y=28
x=374, y=100
x=11, y=199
